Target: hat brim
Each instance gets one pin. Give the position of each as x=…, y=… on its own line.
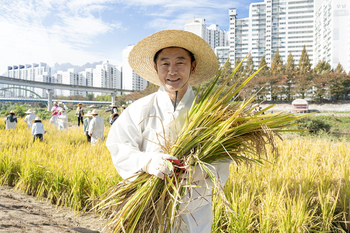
x=142, y=55
x=82, y=104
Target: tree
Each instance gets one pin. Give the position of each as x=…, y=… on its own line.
x=90, y=96
x=322, y=67
x=304, y=65
x=249, y=67
x=339, y=68
x=263, y=64
x=239, y=71
x=290, y=66
x=277, y=63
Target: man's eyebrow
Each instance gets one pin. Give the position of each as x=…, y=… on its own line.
x=178, y=58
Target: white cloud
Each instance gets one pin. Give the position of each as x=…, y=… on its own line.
x=51, y=31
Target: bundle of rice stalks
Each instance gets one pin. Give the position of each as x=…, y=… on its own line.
x=216, y=130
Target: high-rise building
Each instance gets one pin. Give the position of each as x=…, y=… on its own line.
x=284, y=24
x=40, y=72
x=106, y=75
x=131, y=80
x=332, y=32
x=222, y=53
x=70, y=77
x=213, y=35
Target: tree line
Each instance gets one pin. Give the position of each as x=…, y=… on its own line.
x=290, y=81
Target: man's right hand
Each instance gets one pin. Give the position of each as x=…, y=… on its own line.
x=157, y=165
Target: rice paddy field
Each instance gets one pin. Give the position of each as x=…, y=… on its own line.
x=306, y=190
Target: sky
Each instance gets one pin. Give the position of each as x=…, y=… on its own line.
x=81, y=31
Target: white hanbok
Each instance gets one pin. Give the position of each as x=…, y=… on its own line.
x=130, y=150
x=28, y=119
x=96, y=128
x=62, y=121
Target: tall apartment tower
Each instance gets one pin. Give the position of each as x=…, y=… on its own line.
x=213, y=35
x=284, y=24
x=69, y=77
x=332, y=32
x=106, y=75
x=40, y=72
x=131, y=80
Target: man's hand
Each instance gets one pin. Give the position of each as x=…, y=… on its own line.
x=157, y=165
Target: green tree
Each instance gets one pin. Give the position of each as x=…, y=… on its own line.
x=290, y=66
x=20, y=110
x=263, y=64
x=322, y=67
x=239, y=71
x=277, y=63
x=249, y=66
x=90, y=96
x=339, y=68
x=304, y=65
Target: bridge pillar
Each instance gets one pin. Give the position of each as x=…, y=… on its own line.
x=49, y=99
x=113, y=98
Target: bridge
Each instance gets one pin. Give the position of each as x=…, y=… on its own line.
x=51, y=86
x=36, y=100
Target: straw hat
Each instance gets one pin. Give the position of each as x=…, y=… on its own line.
x=113, y=105
x=55, y=103
x=12, y=112
x=88, y=114
x=29, y=111
x=123, y=106
x=37, y=119
x=82, y=104
x=142, y=55
x=116, y=113
x=94, y=112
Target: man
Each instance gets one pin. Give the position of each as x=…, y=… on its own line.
x=38, y=130
x=28, y=119
x=11, y=120
x=86, y=126
x=96, y=128
x=80, y=113
x=175, y=60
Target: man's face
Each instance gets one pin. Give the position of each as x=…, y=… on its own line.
x=174, y=68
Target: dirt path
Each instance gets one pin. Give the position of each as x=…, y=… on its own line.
x=23, y=213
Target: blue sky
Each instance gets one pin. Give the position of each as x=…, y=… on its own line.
x=81, y=31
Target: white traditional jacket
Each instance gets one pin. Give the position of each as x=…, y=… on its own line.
x=28, y=119
x=144, y=119
x=96, y=128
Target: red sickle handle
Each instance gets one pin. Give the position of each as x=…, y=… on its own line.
x=177, y=162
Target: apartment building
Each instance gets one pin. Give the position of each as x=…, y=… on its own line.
x=332, y=32
x=40, y=72
x=284, y=24
x=213, y=35
x=131, y=80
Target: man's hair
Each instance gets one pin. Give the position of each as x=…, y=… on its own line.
x=159, y=51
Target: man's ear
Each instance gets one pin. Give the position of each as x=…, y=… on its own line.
x=193, y=67
x=155, y=67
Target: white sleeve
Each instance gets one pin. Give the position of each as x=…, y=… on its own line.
x=123, y=142
x=33, y=128
x=91, y=126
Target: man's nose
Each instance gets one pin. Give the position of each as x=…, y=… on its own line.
x=172, y=69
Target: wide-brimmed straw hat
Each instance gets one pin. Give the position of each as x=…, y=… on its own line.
x=116, y=113
x=113, y=105
x=37, y=119
x=94, y=112
x=141, y=57
x=12, y=112
x=29, y=111
x=82, y=104
x=88, y=114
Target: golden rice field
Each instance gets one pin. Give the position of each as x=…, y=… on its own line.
x=306, y=190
